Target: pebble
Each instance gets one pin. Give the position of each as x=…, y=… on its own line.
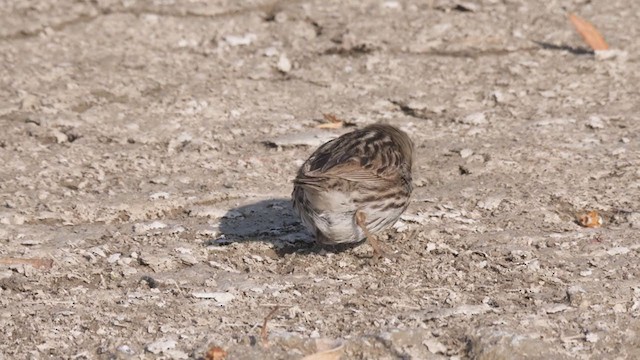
x=576, y=297
x=159, y=195
x=434, y=346
x=553, y=309
x=284, y=64
x=243, y=40
x=221, y=297
x=214, y=213
x=490, y=203
x=465, y=153
x=619, y=250
x=143, y=228
x=113, y=258
x=126, y=349
x=160, y=346
x=475, y=119
x=595, y=122
x=591, y=337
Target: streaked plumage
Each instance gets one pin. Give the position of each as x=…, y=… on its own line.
x=356, y=185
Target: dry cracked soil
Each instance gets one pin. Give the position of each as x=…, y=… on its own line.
x=147, y=150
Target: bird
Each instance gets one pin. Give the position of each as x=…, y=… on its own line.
x=355, y=186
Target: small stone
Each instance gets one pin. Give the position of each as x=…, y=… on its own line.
x=391, y=5
x=280, y=17
x=160, y=346
x=214, y=213
x=591, y=337
x=434, y=346
x=595, y=122
x=475, y=119
x=157, y=263
x=159, y=195
x=114, y=258
x=244, y=40
x=160, y=180
x=58, y=136
x=177, y=229
x=29, y=102
x=490, y=203
x=465, y=153
x=221, y=297
x=126, y=349
x=634, y=220
x=619, y=308
x=143, y=228
x=610, y=54
x=176, y=354
x=575, y=294
x=553, y=309
x=619, y=250
x=188, y=259
x=284, y=64
x=586, y=273
x=270, y=51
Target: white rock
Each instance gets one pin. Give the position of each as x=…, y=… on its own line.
x=610, y=54
x=465, y=153
x=476, y=119
x=309, y=138
x=391, y=5
x=125, y=349
x=270, y=51
x=619, y=250
x=284, y=64
x=619, y=308
x=143, y=228
x=236, y=40
x=114, y=258
x=595, y=122
x=591, y=337
x=221, y=297
x=59, y=136
x=553, y=309
x=176, y=354
x=490, y=203
x=634, y=219
x=400, y=226
x=419, y=218
x=586, y=273
x=160, y=346
x=159, y=195
x=214, y=212
x=434, y=346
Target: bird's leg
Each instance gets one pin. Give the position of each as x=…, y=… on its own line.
x=361, y=221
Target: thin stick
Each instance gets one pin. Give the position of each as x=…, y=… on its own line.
x=36, y=263
x=263, y=334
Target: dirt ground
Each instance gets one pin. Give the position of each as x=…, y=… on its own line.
x=147, y=148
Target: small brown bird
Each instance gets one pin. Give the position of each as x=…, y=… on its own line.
x=355, y=186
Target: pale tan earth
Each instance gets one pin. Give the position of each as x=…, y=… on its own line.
x=147, y=148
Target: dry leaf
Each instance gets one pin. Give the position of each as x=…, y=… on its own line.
x=589, y=33
x=36, y=263
x=591, y=219
x=326, y=350
x=333, y=122
x=215, y=353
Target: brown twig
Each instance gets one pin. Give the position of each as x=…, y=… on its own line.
x=332, y=122
x=36, y=263
x=263, y=334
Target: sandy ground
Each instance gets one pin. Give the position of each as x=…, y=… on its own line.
x=147, y=148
